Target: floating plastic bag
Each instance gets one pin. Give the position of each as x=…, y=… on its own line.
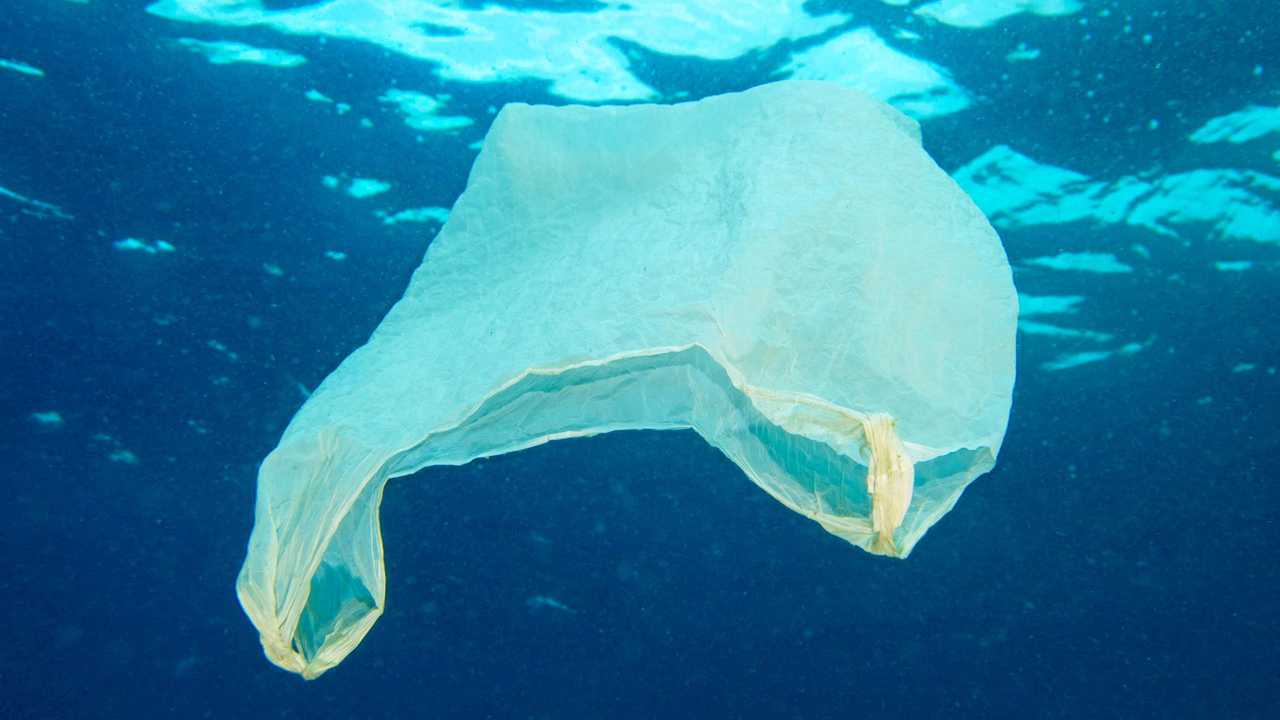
x=783, y=270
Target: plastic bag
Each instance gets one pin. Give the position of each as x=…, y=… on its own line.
x=783, y=270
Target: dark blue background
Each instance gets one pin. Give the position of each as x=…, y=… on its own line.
x=1120, y=561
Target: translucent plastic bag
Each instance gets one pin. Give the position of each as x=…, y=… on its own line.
x=783, y=270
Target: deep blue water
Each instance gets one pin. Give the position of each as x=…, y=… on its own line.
x=1120, y=561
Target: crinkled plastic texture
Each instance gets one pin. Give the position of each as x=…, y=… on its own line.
x=783, y=270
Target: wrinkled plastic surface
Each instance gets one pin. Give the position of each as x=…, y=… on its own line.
x=783, y=270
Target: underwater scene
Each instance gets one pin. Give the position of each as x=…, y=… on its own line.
x=640, y=358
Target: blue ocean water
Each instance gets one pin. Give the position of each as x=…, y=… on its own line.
x=206, y=204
